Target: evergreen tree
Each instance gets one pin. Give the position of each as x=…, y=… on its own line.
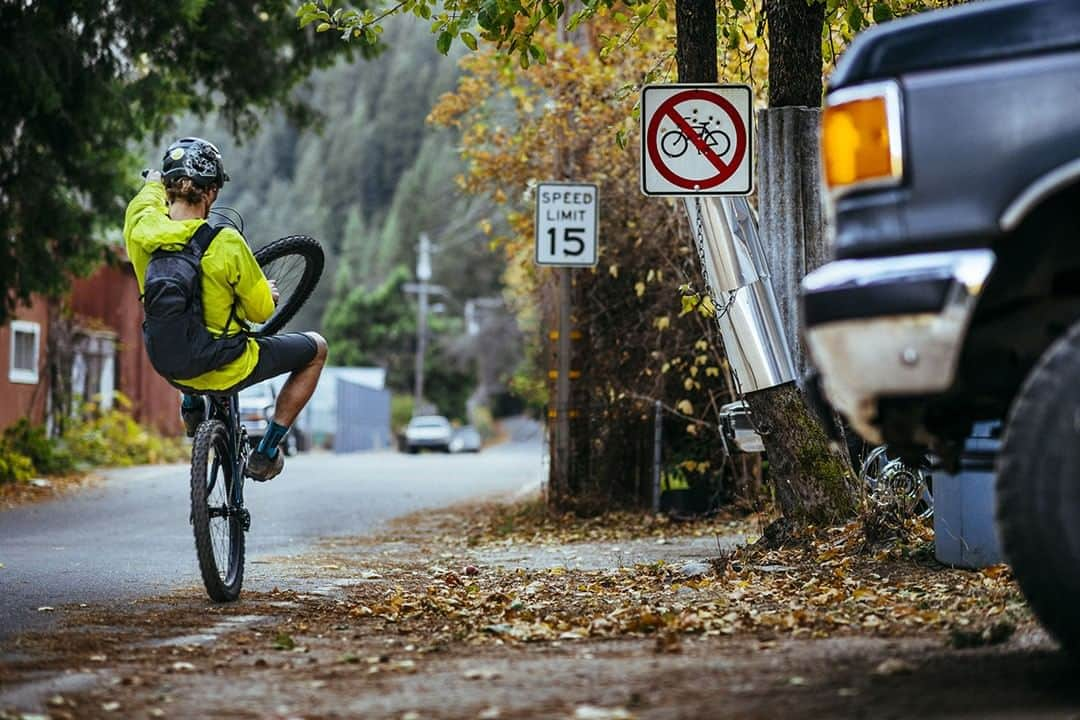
x=83, y=80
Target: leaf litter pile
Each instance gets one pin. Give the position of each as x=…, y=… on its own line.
x=873, y=576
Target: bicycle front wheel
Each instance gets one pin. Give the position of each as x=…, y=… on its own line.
x=219, y=531
x=295, y=264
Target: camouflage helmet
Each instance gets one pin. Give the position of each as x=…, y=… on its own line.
x=194, y=158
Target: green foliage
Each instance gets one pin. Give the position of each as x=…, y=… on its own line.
x=112, y=438
x=484, y=423
x=46, y=455
x=518, y=29
x=83, y=80
x=109, y=438
x=369, y=182
x=14, y=466
x=450, y=20
x=374, y=327
x=401, y=411
x=378, y=327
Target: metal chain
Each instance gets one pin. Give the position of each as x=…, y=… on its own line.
x=699, y=238
x=722, y=308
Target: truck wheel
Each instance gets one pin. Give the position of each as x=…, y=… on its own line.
x=1038, y=489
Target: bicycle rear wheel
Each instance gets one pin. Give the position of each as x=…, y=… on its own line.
x=219, y=532
x=295, y=263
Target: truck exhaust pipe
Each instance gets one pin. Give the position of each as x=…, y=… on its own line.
x=737, y=275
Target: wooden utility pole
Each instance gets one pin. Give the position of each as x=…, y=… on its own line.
x=562, y=385
x=423, y=276
x=563, y=300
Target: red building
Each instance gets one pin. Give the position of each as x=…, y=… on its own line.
x=105, y=324
x=23, y=366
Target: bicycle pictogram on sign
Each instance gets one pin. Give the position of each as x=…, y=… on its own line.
x=674, y=143
x=696, y=140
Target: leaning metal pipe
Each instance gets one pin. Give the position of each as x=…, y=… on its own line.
x=725, y=230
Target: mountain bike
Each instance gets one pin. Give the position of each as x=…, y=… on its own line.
x=220, y=448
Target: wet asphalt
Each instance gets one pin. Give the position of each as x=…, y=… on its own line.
x=128, y=537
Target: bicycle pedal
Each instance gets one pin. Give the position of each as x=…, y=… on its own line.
x=245, y=519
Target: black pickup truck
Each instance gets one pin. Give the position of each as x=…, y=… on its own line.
x=951, y=154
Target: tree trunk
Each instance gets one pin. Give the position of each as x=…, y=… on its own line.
x=60, y=350
x=813, y=478
x=695, y=40
x=812, y=475
x=795, y=52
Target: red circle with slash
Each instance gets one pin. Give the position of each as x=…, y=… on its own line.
x=724, y=170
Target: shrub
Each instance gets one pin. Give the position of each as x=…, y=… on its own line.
x=401, y=410
x=484, y=423
x=30, y=441
x=14, y=466
x=113, y=438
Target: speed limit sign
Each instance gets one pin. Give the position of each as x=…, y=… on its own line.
x=566, y=220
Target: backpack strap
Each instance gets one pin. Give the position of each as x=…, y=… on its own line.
x=202, y=237
x=199, y=243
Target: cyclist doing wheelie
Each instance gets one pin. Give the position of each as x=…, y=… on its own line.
x=214, y=355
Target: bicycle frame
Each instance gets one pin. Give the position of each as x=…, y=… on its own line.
x=226, y=408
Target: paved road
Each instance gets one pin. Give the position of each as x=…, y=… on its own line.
x=130, y=537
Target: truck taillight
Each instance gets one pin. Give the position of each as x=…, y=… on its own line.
x=861, y=141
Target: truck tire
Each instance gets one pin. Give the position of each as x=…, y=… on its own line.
x=1038, y=489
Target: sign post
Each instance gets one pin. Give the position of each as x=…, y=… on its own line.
x=696, y=140
x=567, y=218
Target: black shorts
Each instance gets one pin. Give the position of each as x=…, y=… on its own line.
x=279, y=354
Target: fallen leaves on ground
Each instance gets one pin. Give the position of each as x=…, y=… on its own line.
x=826, y=583
x=425, y=599
x=40, y=489
x=530, y=522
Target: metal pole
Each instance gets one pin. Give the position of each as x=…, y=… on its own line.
x=562, y=387
x=658, y=439
x=423, y=275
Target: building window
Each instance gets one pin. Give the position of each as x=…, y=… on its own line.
x=93, y=371
x=25, y=352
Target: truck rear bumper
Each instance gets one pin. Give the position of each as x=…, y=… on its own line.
x=890, y=327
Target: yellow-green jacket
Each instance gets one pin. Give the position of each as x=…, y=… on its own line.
x=229, y=274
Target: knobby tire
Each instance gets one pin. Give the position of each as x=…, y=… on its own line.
x=305, y=272
x=222, y=584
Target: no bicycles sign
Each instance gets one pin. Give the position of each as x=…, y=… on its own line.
x=696, y=140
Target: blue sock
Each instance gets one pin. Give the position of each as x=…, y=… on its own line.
x=269, y=443
x=191, y=402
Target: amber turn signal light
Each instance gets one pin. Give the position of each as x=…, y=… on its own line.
x=860, y=137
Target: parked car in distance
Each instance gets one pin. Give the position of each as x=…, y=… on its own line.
x=466, y=439
x=256, y=411
x=428, y=431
